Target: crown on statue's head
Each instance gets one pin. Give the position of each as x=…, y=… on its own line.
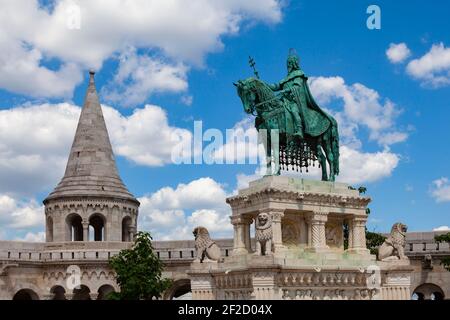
x=292, y=54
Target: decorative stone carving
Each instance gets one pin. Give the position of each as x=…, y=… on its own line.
x=393, y=247
x=205, y=247
x=317, y=241
x=334, y=234
x=428, y=262
x=290, y=233
x=263, y=226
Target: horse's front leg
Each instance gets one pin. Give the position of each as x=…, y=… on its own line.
x=268, y=155
x=323, y=162
x=276, y=158
x=330, y=158
x=264, y=138
x=268, y=149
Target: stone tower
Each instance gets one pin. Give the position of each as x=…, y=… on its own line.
x=91, y=203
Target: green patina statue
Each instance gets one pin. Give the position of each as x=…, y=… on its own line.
x=306, y=133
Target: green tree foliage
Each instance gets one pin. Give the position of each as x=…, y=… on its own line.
x=139, y=271
x=374, y=241
x=444, y=238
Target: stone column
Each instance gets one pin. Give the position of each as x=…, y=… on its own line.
x=247, y=239
x=85, y=230
x=308, y=223
x=132, y=232
x=317, y=238
x=69, y=296
x=239, y=246
x=277, y=239
x=93, y=295
x=350, y=234
x=59, y=227
x=358, y=235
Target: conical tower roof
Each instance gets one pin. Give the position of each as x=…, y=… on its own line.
x=91, y=169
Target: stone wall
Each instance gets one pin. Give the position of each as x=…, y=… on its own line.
x=27, y=262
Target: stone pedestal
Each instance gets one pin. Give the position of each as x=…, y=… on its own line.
x=307, y=260
x=202, y=283
x=300, y=211
x=395, y=280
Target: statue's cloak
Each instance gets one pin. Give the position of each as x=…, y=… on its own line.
x=315, y=120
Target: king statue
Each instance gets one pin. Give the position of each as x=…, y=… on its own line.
x=306, y=133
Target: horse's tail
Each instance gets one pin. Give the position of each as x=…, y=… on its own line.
x=335, y=145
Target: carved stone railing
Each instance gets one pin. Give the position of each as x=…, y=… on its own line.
x=183, y=251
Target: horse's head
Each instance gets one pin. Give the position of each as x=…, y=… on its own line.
x=247, y=92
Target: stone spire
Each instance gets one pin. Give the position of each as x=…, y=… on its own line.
x=91, y=169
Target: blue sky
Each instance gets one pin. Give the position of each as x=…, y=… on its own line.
x=389, y=89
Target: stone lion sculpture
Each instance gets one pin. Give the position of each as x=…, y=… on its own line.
x=393, y=246
x=205, y=246
x=263, y=226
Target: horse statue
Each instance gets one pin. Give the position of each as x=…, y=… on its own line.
x=306, y=133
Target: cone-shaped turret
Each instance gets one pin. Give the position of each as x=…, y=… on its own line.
x=91, y=169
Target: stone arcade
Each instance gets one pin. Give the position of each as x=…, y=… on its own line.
x=91, y=216
x=304, y=256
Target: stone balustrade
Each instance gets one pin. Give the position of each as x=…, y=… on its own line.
x=417, y=243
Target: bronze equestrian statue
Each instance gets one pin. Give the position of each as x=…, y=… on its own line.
x=306, y=133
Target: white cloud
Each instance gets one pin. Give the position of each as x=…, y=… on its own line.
x=243, y=180
x=36, y=141
x=184, y=31
x=173, y=213
x=362, y=107
x=398, y=53
x=440, y=190
x=241, y=145
x=357, y=166
x=139, y=76
x=18, y=214
x=359, y=107
x=33, y=237
x=34, y=145
x=144, y=137
x=433, y=68
x=442, y=228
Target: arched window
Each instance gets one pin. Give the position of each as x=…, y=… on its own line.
x=97, y=232
x=428, y=291
x=59, y=293
x=26, y=294
x=82, y=293
x=180, y=290
x=126, y=224
x=49, y=234
x=74, y=228
x=104, y=291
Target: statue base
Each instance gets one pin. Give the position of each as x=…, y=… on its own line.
x=303, y=222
